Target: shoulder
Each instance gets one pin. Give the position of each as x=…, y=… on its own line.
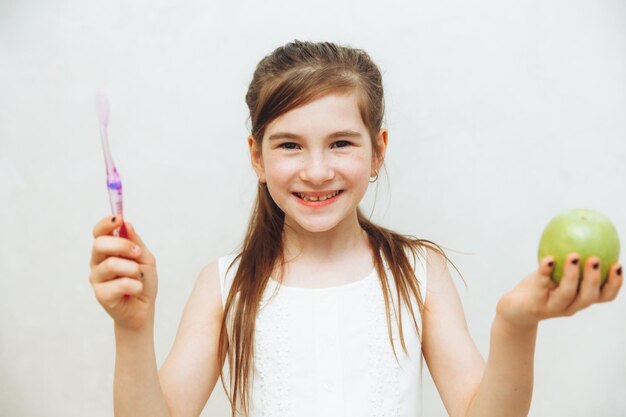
x=440, y=284
x=220, y=266
x=436, y=262
x=217, y=276
x=208, y=286
x=422, y=258
x=210, y=270
x=430, y=266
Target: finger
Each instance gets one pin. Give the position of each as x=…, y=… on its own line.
x=110, y=293
x=107, y=225
x=589, y=288
x=613, y=284
x=146, y=256
x=563, y=296
x=105, y=246
x=546, y=266
x=112, y=268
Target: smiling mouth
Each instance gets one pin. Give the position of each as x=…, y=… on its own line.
x=306, y=197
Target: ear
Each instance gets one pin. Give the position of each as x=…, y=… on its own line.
x=381, y=145
x=256, y=158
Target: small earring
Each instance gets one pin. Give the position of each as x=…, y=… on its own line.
x=375, y=178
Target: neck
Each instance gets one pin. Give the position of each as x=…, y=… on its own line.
x=323, y=247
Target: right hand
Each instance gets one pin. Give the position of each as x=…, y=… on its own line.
x=123, y=274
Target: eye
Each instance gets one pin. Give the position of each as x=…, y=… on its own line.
x=342, y=143
x=288, y=145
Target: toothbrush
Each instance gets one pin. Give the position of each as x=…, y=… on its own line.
x=114, y=182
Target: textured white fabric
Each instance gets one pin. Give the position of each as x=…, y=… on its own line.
x=325, y=352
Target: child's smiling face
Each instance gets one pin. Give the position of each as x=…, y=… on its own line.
x=317, y=160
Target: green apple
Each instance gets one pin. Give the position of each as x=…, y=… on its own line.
x=585, y=232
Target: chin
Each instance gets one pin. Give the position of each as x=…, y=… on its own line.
x=315, y=227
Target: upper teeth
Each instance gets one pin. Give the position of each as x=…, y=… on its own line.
x=320, y=198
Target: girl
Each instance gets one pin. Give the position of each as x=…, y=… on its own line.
x=312, y=311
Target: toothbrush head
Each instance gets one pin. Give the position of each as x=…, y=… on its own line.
x=102, y=107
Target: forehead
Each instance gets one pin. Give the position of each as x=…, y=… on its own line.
x=331, y=112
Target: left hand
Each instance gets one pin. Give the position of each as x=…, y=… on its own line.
x=537, y=297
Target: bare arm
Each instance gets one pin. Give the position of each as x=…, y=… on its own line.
x=137, y=391
x=191, y=369
x=184, y=383
x=124, y=279
x=507, y=385
x=453, y=360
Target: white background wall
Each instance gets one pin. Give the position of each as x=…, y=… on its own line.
x=501, y=114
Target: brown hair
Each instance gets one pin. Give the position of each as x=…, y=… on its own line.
x=291, y=76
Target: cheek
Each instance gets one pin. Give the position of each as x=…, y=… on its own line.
x=359, y=167
x=278, y=170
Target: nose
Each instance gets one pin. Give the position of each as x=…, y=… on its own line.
x=317, y=169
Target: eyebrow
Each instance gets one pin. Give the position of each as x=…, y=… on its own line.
x=339, y=134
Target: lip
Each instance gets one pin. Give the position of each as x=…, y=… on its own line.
x=317, y=194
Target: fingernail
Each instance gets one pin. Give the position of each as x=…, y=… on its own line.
x=113, y=219
x=596, y=265
x=575, y=261
x=619, y=271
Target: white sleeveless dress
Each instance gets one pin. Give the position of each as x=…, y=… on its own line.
x=325, y=352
